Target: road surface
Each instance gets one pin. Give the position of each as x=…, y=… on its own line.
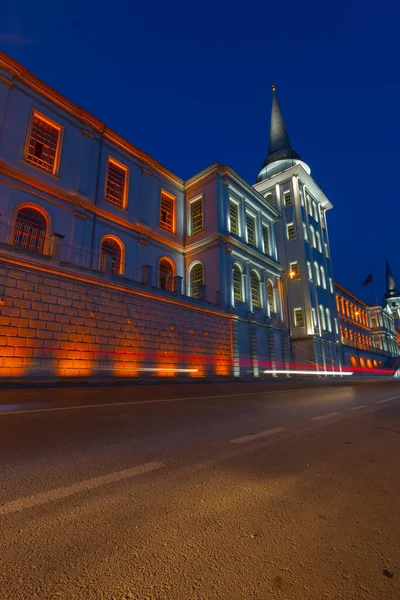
x=201, y=491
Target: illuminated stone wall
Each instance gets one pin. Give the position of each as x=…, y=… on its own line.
x=59, y=322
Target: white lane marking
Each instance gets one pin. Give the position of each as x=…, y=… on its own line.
x=256, y=436
x=322, y=417
x=387, y=400
x=83, y=486
x=359, y=407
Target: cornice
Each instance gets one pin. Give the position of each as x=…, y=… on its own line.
x=263, y=258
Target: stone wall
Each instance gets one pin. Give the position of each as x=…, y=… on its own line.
x=56, y=321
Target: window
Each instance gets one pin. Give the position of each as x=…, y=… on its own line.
x=251, y=229
x=314, y=317
x=301, y=196
x=331, y=286
x=43, y=148
x=298, y=317
x=326, y=250
x=347, y=308
x=110, y=246
x=167, y=217
x=196, y=280
x=309, y=270
x=165, y=274
x=116, y=188
x=336, y=326
x=315, y=209
x=271, y=299
x=30, y=230
x=269, y=198
x=317, y=275
x=237, y=284
x=305, y=231
x=234, y=217
x=373, y=322
x=265, y=232
x=309, y=202
x=328, y=319
x=313, y=242
x=322, y=317
x=294, y=268
x=342, y=305
x=337, y=303
x=196, y=216
x=255, y=289
x=290, y=231
x=287, y=198
x=323, y=279
x=318, y=241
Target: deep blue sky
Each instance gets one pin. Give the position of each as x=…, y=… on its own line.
x=189, y=83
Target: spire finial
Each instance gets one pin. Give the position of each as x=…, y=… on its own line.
x=273, y=87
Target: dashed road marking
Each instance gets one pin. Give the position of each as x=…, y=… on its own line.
x=359, y=407
x=70, y=490
x=255, y=436
x=387, y=400
x=322, y=417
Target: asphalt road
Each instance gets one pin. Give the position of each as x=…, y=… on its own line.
x=201, y=491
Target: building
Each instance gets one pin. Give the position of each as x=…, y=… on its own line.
x=303, y=246
x=110, y=263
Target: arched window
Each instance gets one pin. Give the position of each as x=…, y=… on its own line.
x=196, y=280
x=322, y=317
x=362, y=362
x=352, y=311
x=328, y=319
x=255, y=289
x=323, y=278
x=110, y=245
x=346, y=333
x=347, y=308
x=341, y=333
x=317, y=275
x=237, y=284
x=30, y=230
x=166, y=274
x=317, y=235
x=337, y=303
x=312, y=231
x=353, y=362
x=369, y=364
x=271, y=299
x=351, y=334
x=342, y=304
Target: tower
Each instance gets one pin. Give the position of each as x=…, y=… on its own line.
x=392, y=295
x=303, y=248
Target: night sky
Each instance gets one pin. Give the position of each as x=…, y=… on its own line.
x=190, y=83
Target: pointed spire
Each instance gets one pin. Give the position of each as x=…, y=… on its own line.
x=278, y=136
x=391, y=289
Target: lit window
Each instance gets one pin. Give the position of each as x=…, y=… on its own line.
x=237, y=284
x=167, y=205
x=336, y=326
x=265, y=232
x=342, y=305
x=269, y=198
x=287, y=198
x=314, y=317
x=294, y=270
x=234, y=217
x=313, y=242
x=165, y=274
x=309, y=270
x=318, y=241
x=322, y=317
x=196, y=280
x=196, y=216
x=43, y=145
x=317, y=274
x=116, y=191
x=337, y=303
x=323, y=279
x=326, y=250
x=301, y=196
x=290, y=231
x=315, y=207
x=309, y=203
x=331, y=286
x=328, y=319
x=298, y=317
x=30, y=230
x=251, y=229
x=255, y=290
x=271, y=299
x=305, y=231
x=111, y=246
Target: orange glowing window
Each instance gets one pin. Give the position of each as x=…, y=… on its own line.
x=165, y=274
x=167, y=205
x=116, y=184
x=196, y=280
x=43, y=145
x=196, y=216
x=110, y=246
x=30, y=230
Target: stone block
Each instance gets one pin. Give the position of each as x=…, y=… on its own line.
x=42, y=334
x=64, y=301
x=26, y=332
x=25, y=285
x=50, y=326
x=26, y=352
x=21, y=303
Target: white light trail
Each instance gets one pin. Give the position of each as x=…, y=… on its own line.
x=308, y=372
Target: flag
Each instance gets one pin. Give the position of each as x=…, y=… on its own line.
x=368, y=280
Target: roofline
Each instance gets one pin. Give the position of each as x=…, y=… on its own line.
x=343, y=289
x=228, y=171
x=22, y=74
